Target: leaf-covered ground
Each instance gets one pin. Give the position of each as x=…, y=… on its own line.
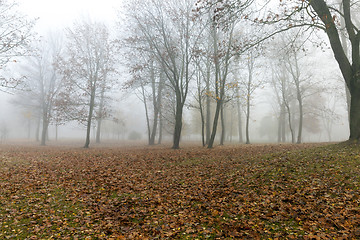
x=304, y=191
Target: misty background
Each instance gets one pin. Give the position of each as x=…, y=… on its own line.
x=326, y=117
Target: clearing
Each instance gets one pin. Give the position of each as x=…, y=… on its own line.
x=306, y=191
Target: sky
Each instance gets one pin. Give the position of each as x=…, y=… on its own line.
x=61, y=13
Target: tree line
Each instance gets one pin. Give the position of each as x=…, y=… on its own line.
x=209, y=56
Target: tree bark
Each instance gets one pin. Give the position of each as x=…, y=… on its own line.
x=222, y=137
x=301, y=116
x=154, y=128
x=90, y=115
x=101, y=115
x=355, y=114
x=146, y=113
x=247, y=120
x=160, y=126
x=45, y=124
x=178, y=125
x=290, y=125
x=98, y=130
x=37, y=133
x=208, y=105
x=155, y=101
x=239, y=117
x=282, y=122
x=216, y=119
x=202, y=117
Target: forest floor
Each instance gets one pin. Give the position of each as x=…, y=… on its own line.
x=304, y=191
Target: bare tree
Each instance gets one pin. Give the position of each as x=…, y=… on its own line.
x=226, y=43
x=292, y=65
x=148, y=80
x=42, y=83
x=222, y=54
x=285, y=96
x=171, y=31
x=248, y=86
x=85, y=67
x=15, y=35
x=204, y=75
x=323, y=15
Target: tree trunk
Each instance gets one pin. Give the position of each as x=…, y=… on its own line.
x=231, y=124
x=154, y=128
x=355, y=114
x=202, y=121
x=216, y=119
x=178, y=125
x=155, y=100
x=45, y=124
x=344, y=43
x=301, y=120
x=56, y=132
x=98, y=129
x=239, y=118
x=208, y=107
x=222, y=137
x=247, y=120
x=146, y=113
x=44, y=134
x=290, y=125
x=279, y=128
x=101, y=114
x=282, y=122
x=88, y=126
x=160, y=126
x=37, y=133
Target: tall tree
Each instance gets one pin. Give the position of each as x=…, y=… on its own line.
x=222, y=55
x=171, y=31
x=85, y=66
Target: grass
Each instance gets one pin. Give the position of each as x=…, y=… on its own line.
x=260, y=191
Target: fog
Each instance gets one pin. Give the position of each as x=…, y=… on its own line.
x=126, y=117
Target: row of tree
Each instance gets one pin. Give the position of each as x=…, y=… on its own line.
x=67, y=79
x=205, y=55
x=214, y=54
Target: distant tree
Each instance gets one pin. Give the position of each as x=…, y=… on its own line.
x=42, y=85
x=284, y=96
x=4, y=132
x=292, y=65
x=148, y=81
x=249, y=85
x=86, y=65
x=237, y=94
